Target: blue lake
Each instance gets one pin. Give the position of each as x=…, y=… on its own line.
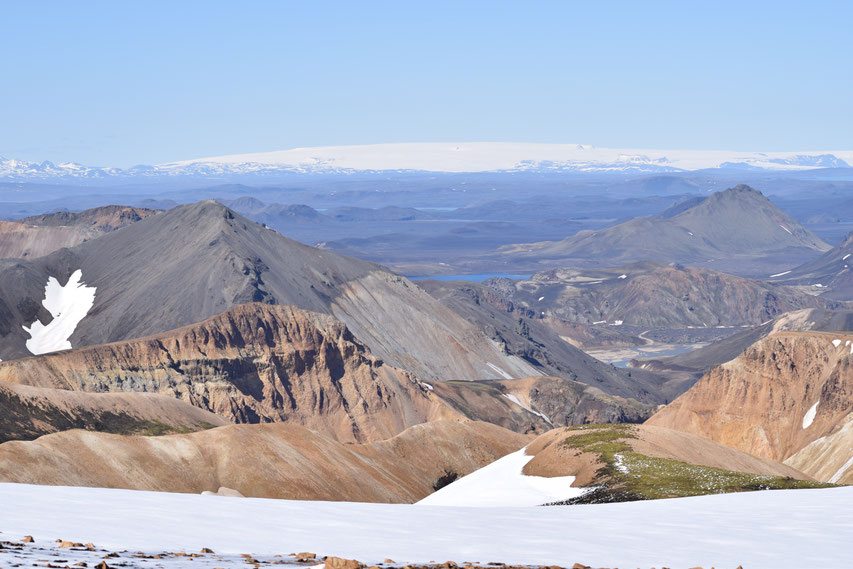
x=476, y=278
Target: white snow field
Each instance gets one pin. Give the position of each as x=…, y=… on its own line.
x=501, y=483
x=781, y=529
x=68, y=305
x=496, y=156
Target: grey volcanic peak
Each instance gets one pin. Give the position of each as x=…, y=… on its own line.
x=195, y=261
x=735, y=227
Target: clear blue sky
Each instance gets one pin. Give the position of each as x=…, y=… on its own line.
x=120, y=83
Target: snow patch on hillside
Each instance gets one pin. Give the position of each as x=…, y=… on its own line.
x=515, y=400
x=808, y=418
x=840, y=472
x=499, y=370
x=502, y=483
x=68, y=305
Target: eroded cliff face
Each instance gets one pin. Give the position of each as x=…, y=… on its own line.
x=253, y=363
x=781, y=394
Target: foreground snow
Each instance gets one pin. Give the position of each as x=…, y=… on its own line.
x=771, y=529
x=501, y=483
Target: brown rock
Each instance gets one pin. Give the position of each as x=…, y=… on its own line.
x=305, y=556
x=102, y=565
x=389, y=561
x=340, y=563
x=206, y=550
x=65, y=544
x=580, y=566
x=28, y=539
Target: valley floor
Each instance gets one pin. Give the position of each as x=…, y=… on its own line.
x=771, y=529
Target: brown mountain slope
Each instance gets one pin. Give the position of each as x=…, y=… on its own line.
x=29, y=412
x=780, y=395
x=830, y=457
x=43, y=234
x=269, y=461
x=252, y=363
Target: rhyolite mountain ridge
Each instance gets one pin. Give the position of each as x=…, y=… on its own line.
x=269, y=363
x=737, y=230
x=788, y=397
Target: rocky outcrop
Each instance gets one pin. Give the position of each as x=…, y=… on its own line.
x=100, y=219
x=269, y=461
x=538, y=404
x=653, y=295
x=253, y=363
x=779, y=396
x=830, y=273
x=548, y=343
x=29, y=412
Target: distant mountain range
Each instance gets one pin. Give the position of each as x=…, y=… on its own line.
x=441, y=157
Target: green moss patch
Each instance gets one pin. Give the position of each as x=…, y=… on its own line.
x=626, y=475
